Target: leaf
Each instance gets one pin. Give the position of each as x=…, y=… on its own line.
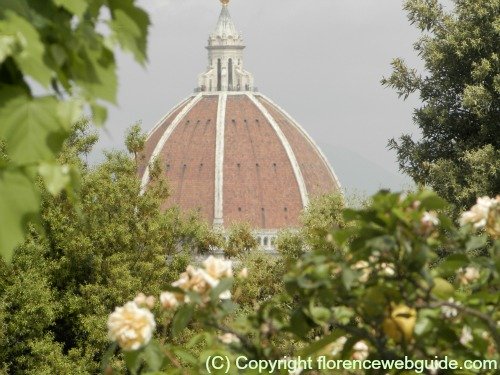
x=73, y=187
x=222, y=286
x=476, y=242
x=348, y=277
x=185, y=356
x=193, y=297
x=153, y=355
x=133, y=360
x=304, y=282
x=442, y=288
x=19, y=203
x=130, y=25
x=350, y=214
x=69, y=112
x=56, y=177
x=182, y=318
x=31, y=127
x=7, y=46
x=341, y=236
x=98, y=75
x=22, y=41
x=374, y=301
x=58, y=54
x=99, y=114
x=453, y=263
x=431, y=201
x=423, y=326
x=77, y=7
x=343, y=314
x=298, y=324
x=316, y=346
x=320, y=314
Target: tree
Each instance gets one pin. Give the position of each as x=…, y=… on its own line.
x=135, y=140
x=56, y=294
x=322, y=214
x=57, y=58
x=290, y=245
x=240, y=240
x=458, y=154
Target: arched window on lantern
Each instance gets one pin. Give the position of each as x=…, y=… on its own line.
x=219, y=75
x=230, y=74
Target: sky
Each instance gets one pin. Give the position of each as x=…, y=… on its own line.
x=321, y=60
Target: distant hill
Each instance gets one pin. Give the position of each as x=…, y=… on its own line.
x=360, y=175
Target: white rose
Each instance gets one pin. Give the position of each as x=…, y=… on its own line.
x=478, y=214
x=448, y=311
x=145, y=301
x=225, y=295
x=168, y=300
x=229, y=338
x=201, y=281
x=466, y=336
x=361, y=351
x=338, y=345
x=430, y=219
x=218, y=268
x=183, y=281
x=131, y=326
x=388, y=269
x=364, y=266
x=468, y=275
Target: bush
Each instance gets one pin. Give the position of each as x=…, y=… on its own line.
x=405, y=281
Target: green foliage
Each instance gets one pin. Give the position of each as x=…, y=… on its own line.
x=135, y=140
x=197, y=235
x=403, y=281
x=387, y=264
x=460, y=94
x=19, y=203
x=56, y=60
x=290, y=245
x=265, y=282
x=322, y=214
x=240, y=240
x=64, y=280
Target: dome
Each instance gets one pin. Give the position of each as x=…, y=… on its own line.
x=231, y=153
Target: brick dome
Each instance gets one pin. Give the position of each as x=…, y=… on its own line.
x=231, y=153
x=238, y=157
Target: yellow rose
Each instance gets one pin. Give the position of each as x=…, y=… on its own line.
x=400, y=323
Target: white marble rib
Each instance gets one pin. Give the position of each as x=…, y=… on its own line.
x=289, y=151
x=165, y=137
x=159, y=123
x=311, y=141
x=219, y=161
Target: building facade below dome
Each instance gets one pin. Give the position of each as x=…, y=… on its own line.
x=232, y=154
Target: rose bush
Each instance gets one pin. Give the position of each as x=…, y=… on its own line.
x=404, y=280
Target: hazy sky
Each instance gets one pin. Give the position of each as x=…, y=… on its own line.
x=322, y=60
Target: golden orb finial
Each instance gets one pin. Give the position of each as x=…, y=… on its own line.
x=225, y=2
